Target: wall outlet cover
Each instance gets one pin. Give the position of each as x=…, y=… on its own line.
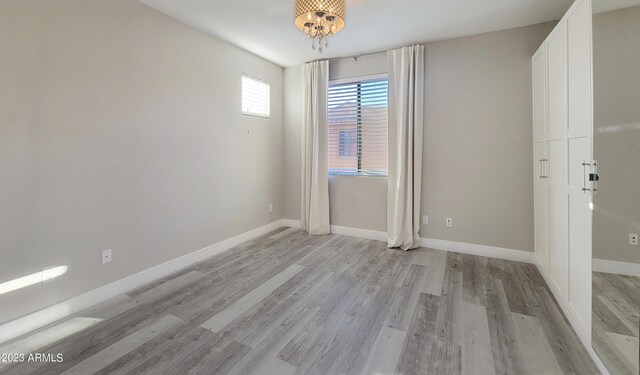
x=633, y=239
x=449, y=222
x=425, y=219
x=106, y=256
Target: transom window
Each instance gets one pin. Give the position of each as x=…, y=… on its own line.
x=256, y=97
x=358, y=126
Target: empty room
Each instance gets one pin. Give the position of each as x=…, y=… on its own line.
x=279, y=187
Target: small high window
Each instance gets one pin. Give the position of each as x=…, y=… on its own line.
x=256, y=97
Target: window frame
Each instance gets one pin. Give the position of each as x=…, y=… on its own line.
x=253, y=114
x=354, y=80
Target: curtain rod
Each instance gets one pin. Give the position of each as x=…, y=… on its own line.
x=355, y=57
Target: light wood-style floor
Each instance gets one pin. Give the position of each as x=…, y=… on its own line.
x=290, y=303
x=616, y=315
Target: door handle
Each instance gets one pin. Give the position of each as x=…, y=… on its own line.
x=584, y=176
x=543, y=168
x=593, y=176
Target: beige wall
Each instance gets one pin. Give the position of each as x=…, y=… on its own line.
x=121, y=128
x=477, y=142
x=616, y=70
x=293, y=106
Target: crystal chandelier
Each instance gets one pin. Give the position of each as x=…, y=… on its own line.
x=319, y=19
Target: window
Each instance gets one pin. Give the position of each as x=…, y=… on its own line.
x=256, y=97
x=358, y=127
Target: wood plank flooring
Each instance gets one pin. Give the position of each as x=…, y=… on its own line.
x=289, y=303
x=616, y=316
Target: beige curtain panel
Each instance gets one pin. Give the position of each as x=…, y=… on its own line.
x=406, y=119
x=315, y=165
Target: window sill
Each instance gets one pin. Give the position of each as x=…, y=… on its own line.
x=256, y=115
x=358, y=175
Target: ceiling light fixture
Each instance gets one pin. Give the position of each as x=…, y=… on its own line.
x=319, y=19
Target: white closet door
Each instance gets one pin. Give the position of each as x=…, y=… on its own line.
x=541, y=200
x=579, y=151
x=557, y=120
x=539, y=74
x=541, y=203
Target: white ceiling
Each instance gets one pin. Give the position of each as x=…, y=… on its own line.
x=265, y=27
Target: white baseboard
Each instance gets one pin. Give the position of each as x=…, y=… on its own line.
x=41, y=318
x=360, y=233
x=290, y=223
x=480, y=250
x=345, y=231
x=452, y=246
x=619, y=268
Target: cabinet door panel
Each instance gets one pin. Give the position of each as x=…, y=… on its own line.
x=578, y=145
x=540, y=204
x=540, y=95
x=558, y=255
x=557, y=81
x=580, y=255
x=577, y=153
x=556, y=162
x=579, y=68
x=557, y=120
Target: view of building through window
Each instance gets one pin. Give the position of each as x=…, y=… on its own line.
x=358, y=127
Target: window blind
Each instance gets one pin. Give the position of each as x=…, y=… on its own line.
x=358, y=127
x=256, y=97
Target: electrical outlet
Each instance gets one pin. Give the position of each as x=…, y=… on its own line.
x=270, y=207
x=449, y=222
x=425, y=219
x=106, y=256
x=633, y=239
